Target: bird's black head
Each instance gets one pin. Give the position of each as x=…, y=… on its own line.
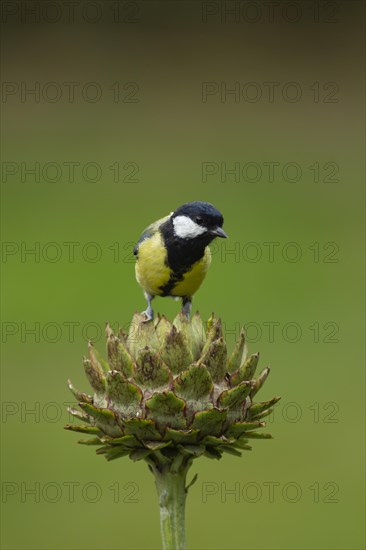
x=198, y=220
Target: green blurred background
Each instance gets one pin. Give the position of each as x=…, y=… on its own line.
x=304, y=489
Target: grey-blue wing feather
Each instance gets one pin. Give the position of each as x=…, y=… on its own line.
x=149, y=231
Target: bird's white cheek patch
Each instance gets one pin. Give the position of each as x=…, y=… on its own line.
x=185, y=228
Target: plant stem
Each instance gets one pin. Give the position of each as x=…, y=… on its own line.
x=171, y=487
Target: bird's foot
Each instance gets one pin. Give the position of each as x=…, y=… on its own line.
x=148, y=315
x=186, y=309
x=149, y=312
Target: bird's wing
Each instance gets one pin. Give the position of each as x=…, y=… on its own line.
x=149, y=231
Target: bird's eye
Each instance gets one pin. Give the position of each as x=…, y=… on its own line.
x=199, y=220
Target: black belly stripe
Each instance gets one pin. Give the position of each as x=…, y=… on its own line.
x=181, y=254
x=173, y=280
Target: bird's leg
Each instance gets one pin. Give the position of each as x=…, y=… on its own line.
x=187, y=304
x=149, y=312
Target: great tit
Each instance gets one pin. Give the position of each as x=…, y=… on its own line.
x=173, y=255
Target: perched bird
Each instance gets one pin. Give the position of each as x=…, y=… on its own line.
x=173, y=255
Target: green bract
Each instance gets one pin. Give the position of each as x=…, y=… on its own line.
x=170, y=392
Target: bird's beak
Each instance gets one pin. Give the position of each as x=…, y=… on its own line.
x=219, y=232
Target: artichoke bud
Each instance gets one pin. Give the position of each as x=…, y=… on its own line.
x=169, y=393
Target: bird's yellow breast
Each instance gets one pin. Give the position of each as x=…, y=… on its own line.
x=153, y=273
x=194, y=277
